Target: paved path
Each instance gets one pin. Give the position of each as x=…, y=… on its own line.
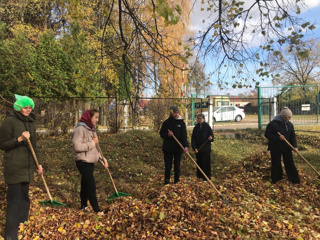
x=232, y=126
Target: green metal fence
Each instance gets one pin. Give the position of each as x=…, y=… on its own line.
x=303, y=100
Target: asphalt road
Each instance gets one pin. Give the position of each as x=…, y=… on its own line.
x=234, y=126
x=244, y=124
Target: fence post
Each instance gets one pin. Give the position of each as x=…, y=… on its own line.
x=210, y=112
x=192, y=110
x=274, y=107
x=259, y=109
x=125, y=115
x=116, y=112
x=317, y=104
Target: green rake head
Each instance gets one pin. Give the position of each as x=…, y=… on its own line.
x=117, y=194
x=53, y=203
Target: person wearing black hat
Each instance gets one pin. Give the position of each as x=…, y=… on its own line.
x=277, y=146
x=174, y=125
x=18, y=162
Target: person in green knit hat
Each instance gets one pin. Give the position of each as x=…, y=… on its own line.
x=18, y=163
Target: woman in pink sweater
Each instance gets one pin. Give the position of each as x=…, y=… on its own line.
x=84, y=141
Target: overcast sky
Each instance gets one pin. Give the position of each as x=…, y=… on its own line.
x=308, y=14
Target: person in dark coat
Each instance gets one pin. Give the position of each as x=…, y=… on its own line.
x=202, y=132
x=277, y=146
x=174, y=125
x=18, y=162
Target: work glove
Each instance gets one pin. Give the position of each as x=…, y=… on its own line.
x=170, y=133
x=186, y=149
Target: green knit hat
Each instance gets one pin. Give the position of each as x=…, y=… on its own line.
x=22, y=101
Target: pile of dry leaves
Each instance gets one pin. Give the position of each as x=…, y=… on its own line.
x=190, y=209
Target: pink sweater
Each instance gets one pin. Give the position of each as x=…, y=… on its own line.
x=83, y=146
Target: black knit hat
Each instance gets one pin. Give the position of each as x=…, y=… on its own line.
x=174, y=109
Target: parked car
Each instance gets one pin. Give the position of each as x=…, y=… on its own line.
x=226, y=113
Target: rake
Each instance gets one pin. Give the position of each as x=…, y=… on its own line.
x=214, y=187
x=51, y=201
x=301, y=156
x=117, y=193
x=203, y=145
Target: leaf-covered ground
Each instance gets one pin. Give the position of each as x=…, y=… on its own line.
x=190, y=209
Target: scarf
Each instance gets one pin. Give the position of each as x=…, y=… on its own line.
x=86, y=118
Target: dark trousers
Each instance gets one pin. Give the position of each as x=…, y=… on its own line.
x=204, y=162
x=18, y=205
x=88, y=185
x=276, y=168
x=168, y=157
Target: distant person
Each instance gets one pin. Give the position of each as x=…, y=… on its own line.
x=84, y=141
x=174, y=125
x=277, y=146
x=18, y=163
x=202, y=134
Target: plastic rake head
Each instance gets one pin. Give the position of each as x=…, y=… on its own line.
x=116, y=195
x=53, y=203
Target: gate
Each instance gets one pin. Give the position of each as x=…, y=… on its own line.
x=303, y=101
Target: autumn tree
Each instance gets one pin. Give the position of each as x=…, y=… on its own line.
x=151, y=50
x=80, y=46
x=297, y=64
x=17, y=58
x=62, y=56
x=197, y=79
x=239, y=33
x=148, y=36
x=36, y=15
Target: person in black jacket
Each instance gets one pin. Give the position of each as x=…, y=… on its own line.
x=174, y=125
x=18, y=162
x=202, y=132
x=277, y=146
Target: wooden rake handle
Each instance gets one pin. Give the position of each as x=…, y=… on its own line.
x=203, y=145
x=198, y=166
x=115, y=188
x=300, y=155
x=37, y=163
